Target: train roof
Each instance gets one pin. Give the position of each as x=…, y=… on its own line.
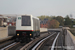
x=3, y=17
x=36, y=18
x=28, y=15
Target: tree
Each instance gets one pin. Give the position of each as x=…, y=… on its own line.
x=68, y=21
x=48, y=17
x=60, y=19
x=41, y=17
x=54, y=24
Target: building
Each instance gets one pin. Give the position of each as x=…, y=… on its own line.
x=3, y=19
x=10, y=19
x=44, y=23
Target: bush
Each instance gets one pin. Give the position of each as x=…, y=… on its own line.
x=72, y=31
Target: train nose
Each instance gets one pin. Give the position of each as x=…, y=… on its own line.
x=18, y=34
x=24, y=34
x=30, y=34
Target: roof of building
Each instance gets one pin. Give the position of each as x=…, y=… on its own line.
x=43, y=22
x=3, y=16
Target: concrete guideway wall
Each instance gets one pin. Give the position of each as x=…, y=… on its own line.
x=11, y=30
x=70, y=40
x=3, y=32
x=7, y=31
x=43, y=29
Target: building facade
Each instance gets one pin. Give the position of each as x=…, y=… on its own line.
x=44, y=23
x=3, y=19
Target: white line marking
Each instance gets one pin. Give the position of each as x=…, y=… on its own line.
x=8, y=46
x=52, y=48
x=40, y=42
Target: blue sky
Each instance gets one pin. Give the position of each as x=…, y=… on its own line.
x=38, y=7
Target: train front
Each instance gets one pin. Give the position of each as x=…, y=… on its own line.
x=24, y=28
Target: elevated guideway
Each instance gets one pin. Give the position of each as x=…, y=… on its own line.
x=55, y=30
x=69, y=39
x=4, y=34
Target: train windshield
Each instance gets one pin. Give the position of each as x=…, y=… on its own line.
x=26, y=21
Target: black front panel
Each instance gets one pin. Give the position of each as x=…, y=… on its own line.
x=24, y=33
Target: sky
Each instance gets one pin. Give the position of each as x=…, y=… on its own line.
x=38, y=7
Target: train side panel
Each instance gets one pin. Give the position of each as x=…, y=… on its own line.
x=36, y=27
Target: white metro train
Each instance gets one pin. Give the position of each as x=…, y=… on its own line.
x=27, y=27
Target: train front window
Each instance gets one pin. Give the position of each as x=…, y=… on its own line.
x=26, y=21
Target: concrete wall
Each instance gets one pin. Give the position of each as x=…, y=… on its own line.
x=69, y=40
x=11, y=30
x=43, y=29
x=3, y=32
x=7, y=31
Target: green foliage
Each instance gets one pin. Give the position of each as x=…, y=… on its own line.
x=68, y=21
x=63, y=21
x=60, y=19
x=41, y=17
x=72, y=30
x=73, y=23
x=48, y=17
x=52, y=17
x=54, y=24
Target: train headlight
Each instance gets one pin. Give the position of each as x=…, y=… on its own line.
x=30, y=34
x=17, y=34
